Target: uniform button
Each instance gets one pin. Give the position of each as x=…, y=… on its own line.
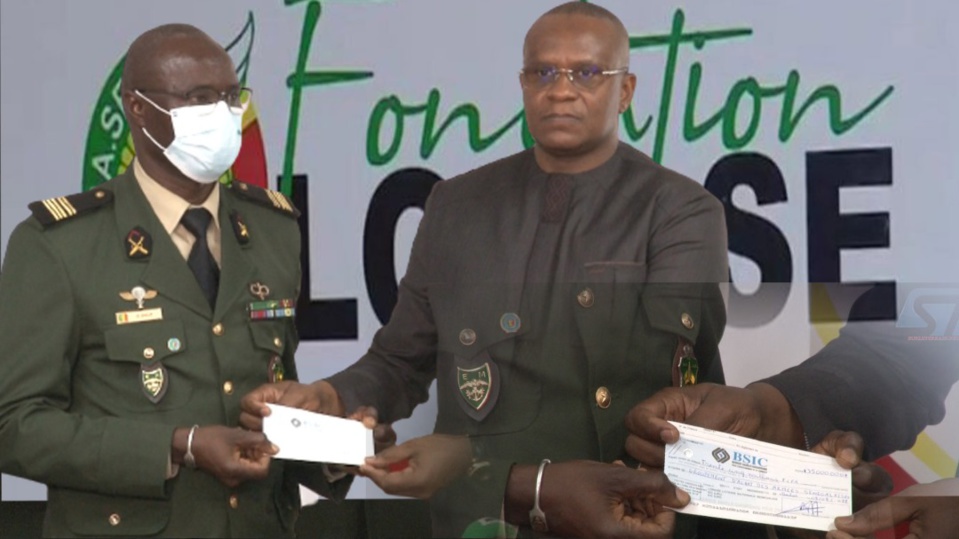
x=228, y=387
x=234, y=502
x=603, y=398
x=585, y=298
x=467, y=337
x=218, y=330
x=101, y=194
x=148, y=352
x=687, y=321
x=277, y=342
x=114, y=519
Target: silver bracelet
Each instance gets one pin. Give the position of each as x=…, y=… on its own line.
x=537, y=519
x=188, y=458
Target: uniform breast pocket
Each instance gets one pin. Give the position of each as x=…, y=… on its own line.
x=144, y=360
x=268, y=345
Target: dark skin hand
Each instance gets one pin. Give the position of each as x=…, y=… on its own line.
x=232, y=455
x=932, y=511
x=592, y=499
x=319, y=397
x=419, y=467
x=870, y=483
x=758, y=411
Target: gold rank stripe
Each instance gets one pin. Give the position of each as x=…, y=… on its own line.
x=279, y=200
x=60, y=208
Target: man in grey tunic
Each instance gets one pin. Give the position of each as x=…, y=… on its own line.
x=547, y=293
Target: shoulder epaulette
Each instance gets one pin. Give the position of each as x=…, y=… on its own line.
x=265, y=197
x=54, y=210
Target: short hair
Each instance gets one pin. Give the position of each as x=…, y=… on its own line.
x=589, y=9
x=144, y=48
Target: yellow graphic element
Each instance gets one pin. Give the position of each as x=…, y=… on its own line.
x=933, y=456
x=926, y=449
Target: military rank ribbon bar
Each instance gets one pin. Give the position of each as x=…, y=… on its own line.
x=266, y=310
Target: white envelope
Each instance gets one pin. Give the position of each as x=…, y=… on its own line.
x=312, y=437
x=728, y=476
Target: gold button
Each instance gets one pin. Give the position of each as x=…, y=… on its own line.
x=148, y=352
x=277, y=342
x=228, y=387
x=114, y=519
x=218, y=330
x=234, y=502
x=603, y=398
x=243, y=186
x=467, y=337
x=101, y=194
x=585, y=298
x=687, y=321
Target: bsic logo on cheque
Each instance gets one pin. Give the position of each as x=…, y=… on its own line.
x=721, y=455
x=109, y=148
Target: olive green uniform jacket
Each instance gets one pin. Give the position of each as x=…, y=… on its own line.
x=75, y=412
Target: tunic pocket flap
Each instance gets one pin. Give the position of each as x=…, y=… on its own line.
x=145, y=342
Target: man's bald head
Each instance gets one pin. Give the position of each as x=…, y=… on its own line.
x=152, y=57
x=586, y=9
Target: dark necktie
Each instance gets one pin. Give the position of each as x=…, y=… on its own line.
x=557, y=199
x=201, y=261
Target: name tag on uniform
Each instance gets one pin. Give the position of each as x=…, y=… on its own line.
x=143, y=315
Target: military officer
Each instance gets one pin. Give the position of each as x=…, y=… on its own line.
x=134, y=317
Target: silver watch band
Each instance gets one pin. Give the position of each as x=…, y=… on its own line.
x=537, y=518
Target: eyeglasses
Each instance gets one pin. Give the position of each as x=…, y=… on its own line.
x=238, y=99
x=586, y=77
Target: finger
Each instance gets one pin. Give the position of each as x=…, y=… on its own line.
x=255, y=402
x=647, y=419
x=251, y=422
x=645, y=451
x=877, y=516
x=836, y=534
x=384, y=435
x=845, y=447
x=391, y=455
x=659, y=488
x=872, y=479
x=398, y=483
x=367, y=414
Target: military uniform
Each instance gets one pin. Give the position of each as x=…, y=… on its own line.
x=546, y=306
x=109, y=345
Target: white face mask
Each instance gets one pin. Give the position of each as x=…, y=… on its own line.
x=206, y=139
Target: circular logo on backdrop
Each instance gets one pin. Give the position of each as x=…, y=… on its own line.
x=109, y=149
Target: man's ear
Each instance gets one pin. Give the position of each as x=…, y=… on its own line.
x=133, y=108
x=627, y=89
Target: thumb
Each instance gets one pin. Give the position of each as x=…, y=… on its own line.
x=659, y=489
x=845, y=447
x=390, y=455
